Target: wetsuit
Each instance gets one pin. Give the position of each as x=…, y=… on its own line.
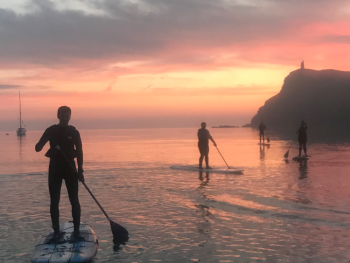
x=262, y=129
x=302, y=138
x=68, y=138
x=203, y=141
x=203, y=146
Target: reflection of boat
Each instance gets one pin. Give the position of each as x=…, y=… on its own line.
x=225, y=126
x=21, y=131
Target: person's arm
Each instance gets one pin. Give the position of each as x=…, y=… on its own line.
x=79, y=148
x=43, y=140
x=211, y=138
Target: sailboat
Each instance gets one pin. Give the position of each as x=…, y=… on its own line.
x=21, y=131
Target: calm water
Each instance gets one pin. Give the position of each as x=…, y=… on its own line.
x=274, y=212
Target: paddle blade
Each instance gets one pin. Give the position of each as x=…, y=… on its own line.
x=287, y=154
x=268, y=139
x=120, y=234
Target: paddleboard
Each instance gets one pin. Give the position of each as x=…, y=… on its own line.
x=264, y=144
x=64, y=250
x=301, y=158
x=214, y=170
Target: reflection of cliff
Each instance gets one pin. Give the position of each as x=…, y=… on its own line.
x=320, y=98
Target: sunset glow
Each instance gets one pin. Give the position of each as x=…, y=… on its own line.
x=186, y=61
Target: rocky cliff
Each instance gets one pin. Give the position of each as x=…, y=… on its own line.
x=319, y=97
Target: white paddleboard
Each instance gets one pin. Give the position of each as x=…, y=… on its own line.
x=301, y=158
x=64, y=250
x=214, y=170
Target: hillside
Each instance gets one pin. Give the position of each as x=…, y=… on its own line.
x=319, y=97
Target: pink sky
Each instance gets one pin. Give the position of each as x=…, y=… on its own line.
x=162, y=62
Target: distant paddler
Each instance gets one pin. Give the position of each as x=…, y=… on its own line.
x=203, y=145
x=262, y=129
x=302, y=137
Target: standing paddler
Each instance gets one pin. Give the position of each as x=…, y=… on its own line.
x=203, y=145
x=302, y=137
x=68, y=139
x=262, y=129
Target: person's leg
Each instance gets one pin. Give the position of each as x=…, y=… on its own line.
x=55, y=183
x=263, y=138
x=260, y=137
x=305, y=150
x=72, y=185
x=201, y=155
x=207, y=157
x=300, y=146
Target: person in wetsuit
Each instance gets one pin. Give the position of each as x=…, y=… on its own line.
x=262, y=129
x=203, y=145
x=68, y=139
x=302, y=137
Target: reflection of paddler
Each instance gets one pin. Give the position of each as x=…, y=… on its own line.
x=302, y=137
x=203, y=144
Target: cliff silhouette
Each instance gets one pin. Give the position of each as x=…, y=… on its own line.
x=319, y=97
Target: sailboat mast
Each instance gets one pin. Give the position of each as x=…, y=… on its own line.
x=20, y=110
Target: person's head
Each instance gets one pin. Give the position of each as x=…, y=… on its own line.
x=302, y=123
x=203, y=124
x=63, y=114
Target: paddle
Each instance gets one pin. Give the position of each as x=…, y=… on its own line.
x=287, y=153
x=228, y=167
x=120, y=234
x=267, y=137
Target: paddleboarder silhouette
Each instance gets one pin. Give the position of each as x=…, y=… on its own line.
x=203, y=145
x=262, y=129
x=68, y=139
x=302, y=137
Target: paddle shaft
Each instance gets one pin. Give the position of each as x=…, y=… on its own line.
x=287, y=153
x=87, y=188
x=267, y=137
x=228, y=167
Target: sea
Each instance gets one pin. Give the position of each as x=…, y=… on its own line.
x=278, y=210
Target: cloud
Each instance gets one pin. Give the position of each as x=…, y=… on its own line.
x=163, y=31
x=199, y=92
x=342, y=39
x=5, y=86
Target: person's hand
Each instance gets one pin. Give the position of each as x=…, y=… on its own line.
x=81, y=176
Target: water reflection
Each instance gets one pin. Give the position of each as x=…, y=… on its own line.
x=203, y=210
x=303, y=169
x=262, y=152
x=21, y=141
x=117, y=246
x=204, y=181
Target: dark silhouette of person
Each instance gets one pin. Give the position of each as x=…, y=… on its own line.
x=203, y=145
x=68, y=139
x=302, y=66
x=262, y=129
x=302, y=137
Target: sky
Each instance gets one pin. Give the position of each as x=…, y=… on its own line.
x=159, y=63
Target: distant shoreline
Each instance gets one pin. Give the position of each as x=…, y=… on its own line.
x=225, y=126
